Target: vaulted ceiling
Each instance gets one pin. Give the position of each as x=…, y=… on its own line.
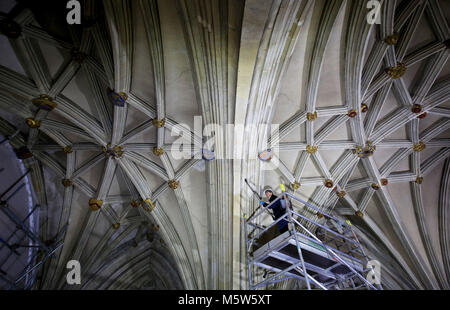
x=363, y=113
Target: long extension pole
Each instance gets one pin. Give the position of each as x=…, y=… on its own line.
x=260, y=199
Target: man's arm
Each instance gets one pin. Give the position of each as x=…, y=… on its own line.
x=268, y=209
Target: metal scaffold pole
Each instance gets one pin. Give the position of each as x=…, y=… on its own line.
x=299, y=249
x=247, y=250
x=28, y=240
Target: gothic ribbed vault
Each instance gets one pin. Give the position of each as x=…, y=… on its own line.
x=363, y=113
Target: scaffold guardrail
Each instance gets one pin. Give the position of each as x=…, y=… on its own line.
x=336, y=261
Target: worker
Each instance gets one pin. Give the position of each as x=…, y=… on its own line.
x=278, y=208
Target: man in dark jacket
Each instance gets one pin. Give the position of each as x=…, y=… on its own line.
x=278, y=208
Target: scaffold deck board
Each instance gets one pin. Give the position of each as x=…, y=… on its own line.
x=281, y=252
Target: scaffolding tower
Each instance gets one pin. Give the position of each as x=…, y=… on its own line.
x=22, y=247
x=320, y=256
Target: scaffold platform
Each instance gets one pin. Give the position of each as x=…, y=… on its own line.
x=318, y=255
